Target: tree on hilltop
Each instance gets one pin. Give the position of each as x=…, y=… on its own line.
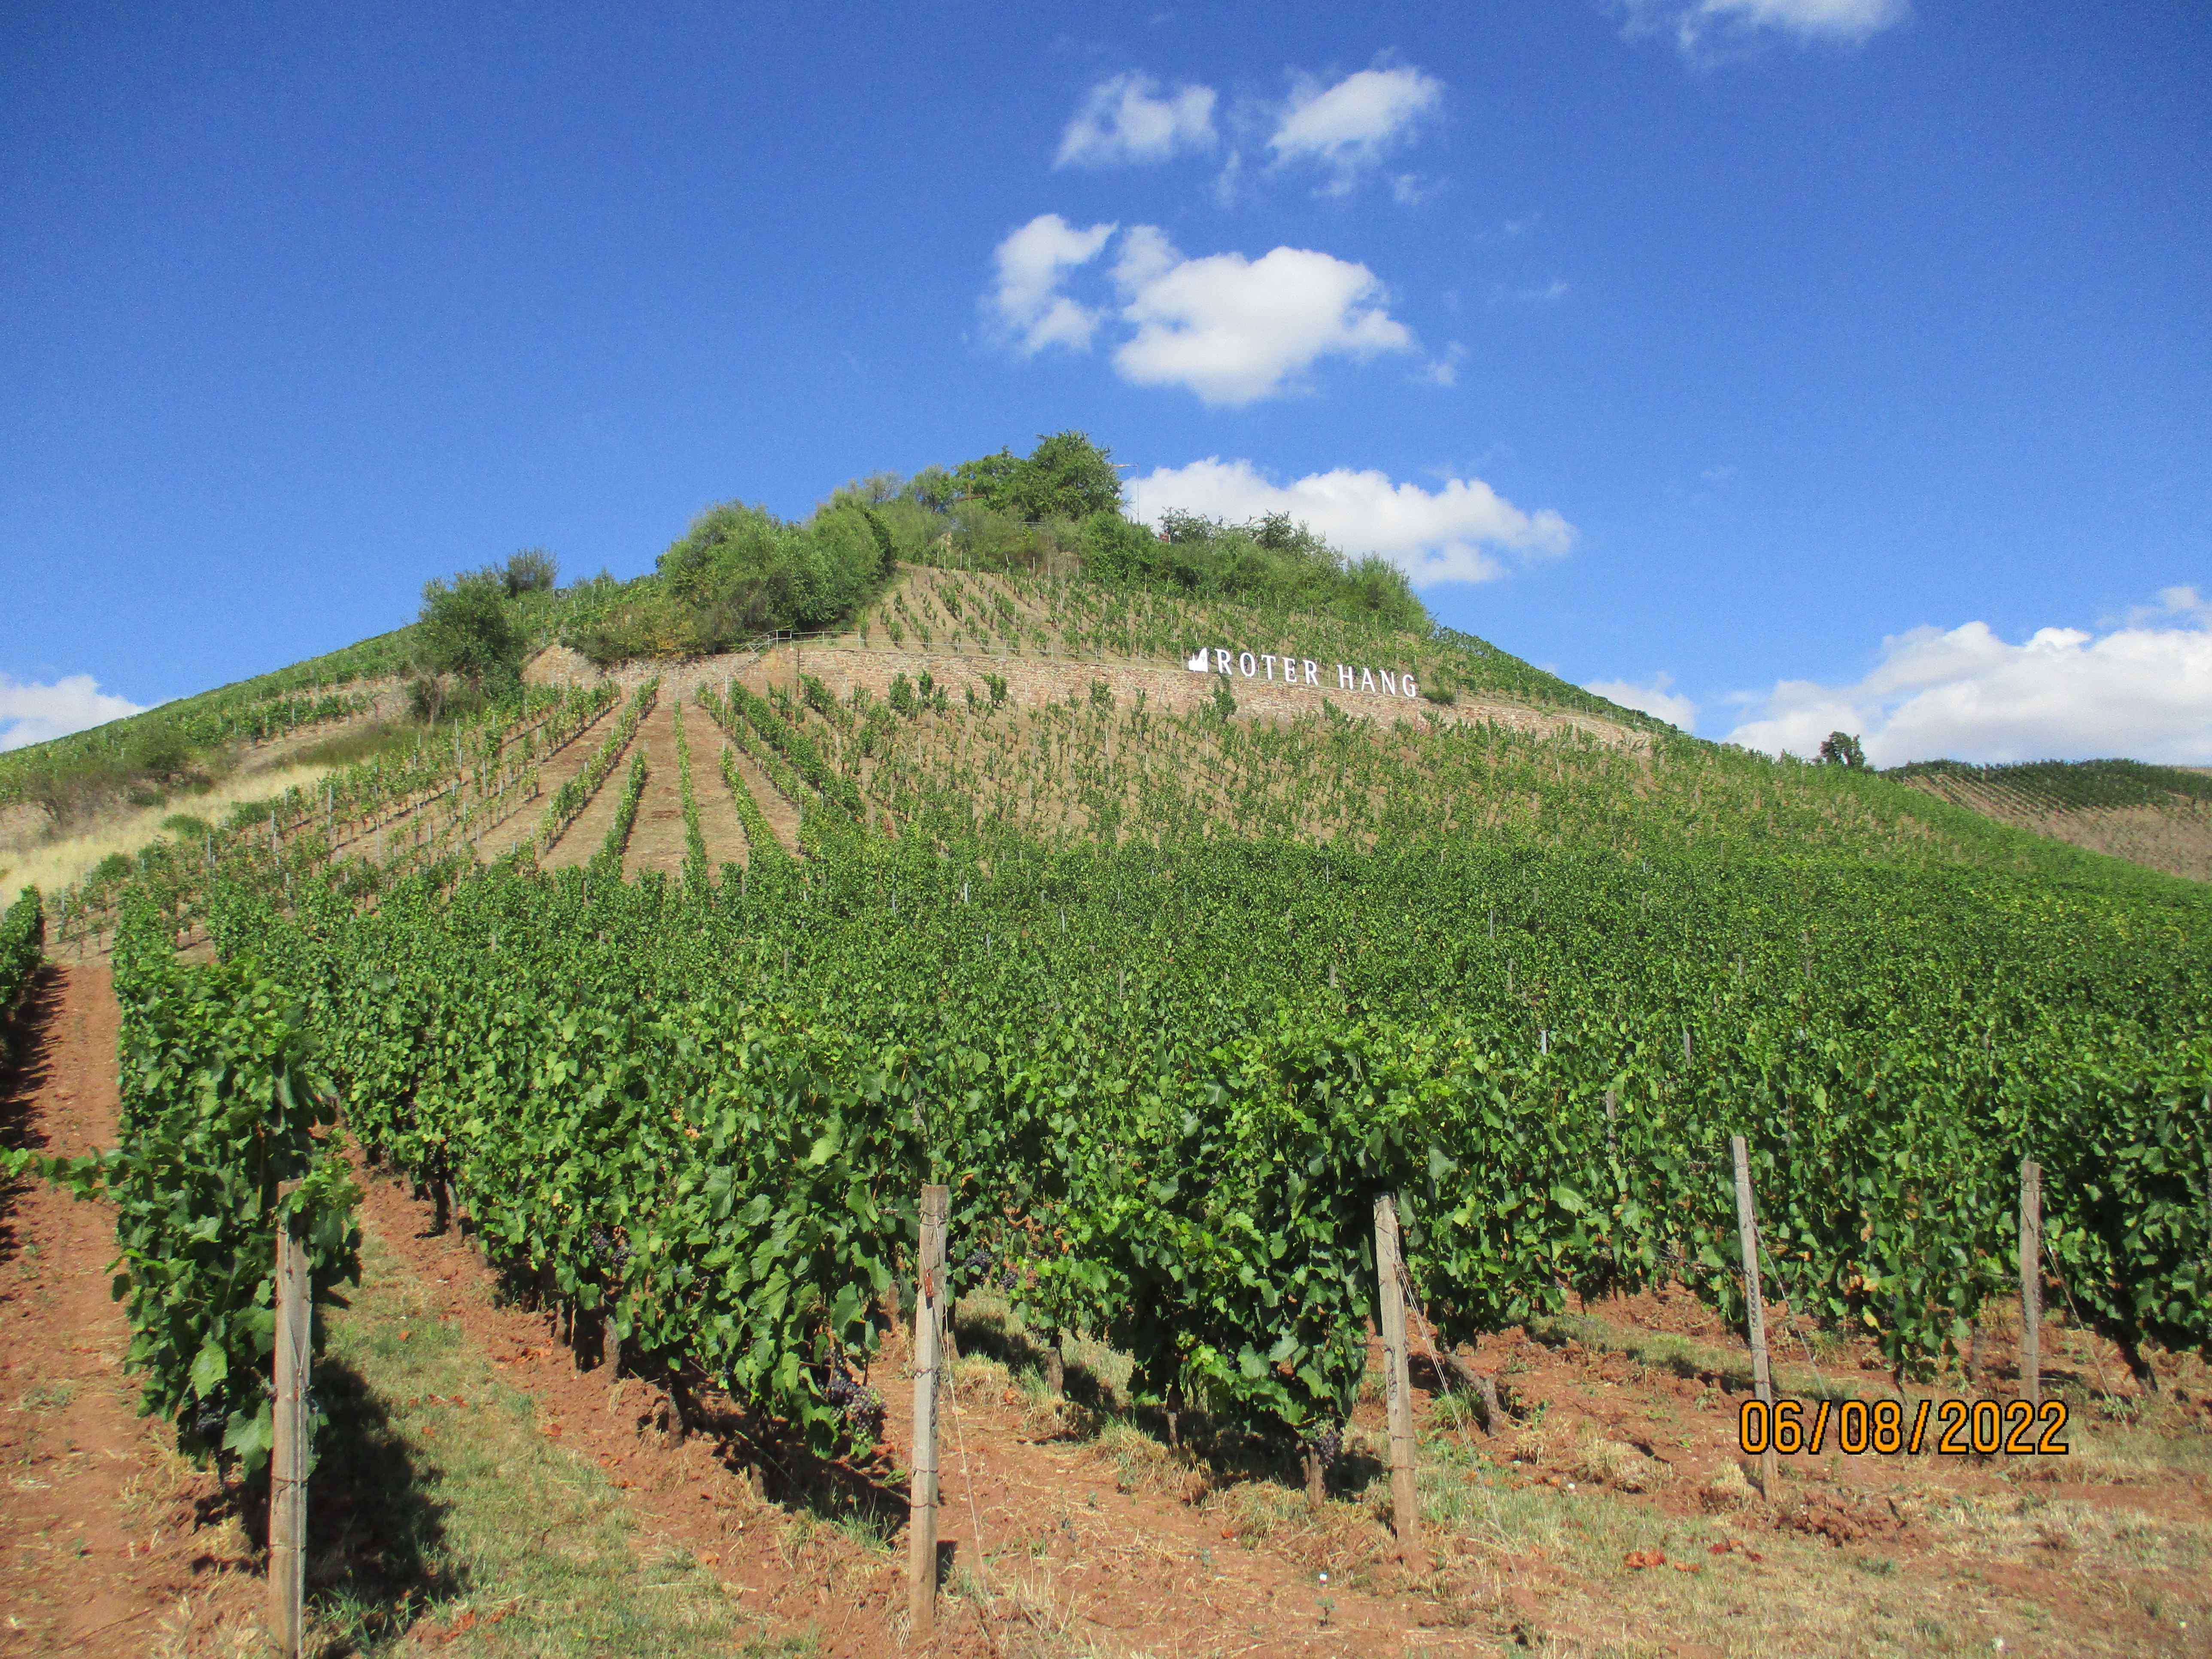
x=1842, y=749
x=530, y=570
x=465, y=636
x=1064, y=476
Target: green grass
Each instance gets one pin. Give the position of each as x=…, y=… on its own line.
x=429, y=1509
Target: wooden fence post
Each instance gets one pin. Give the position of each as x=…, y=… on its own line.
x=929, y=1300
x=2031, y=1282
x=1405, y=1502
x=288, y=1465
x=1747, y=1227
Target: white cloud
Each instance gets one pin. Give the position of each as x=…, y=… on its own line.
x=1444, y=370
x=1453, y=534
x=2174, y=602
x=1653, y=699
x=2142, y=691
x=1234, y=330
x=1347, y=128
x=1032, y=264
x=31, y=712
x=1125, y=121
x=1698, y=25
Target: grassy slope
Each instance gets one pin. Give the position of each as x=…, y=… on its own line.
x=102, y=759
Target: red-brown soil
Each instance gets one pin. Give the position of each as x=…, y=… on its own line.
x=1106, y=1544
x=1144, y=1568
x=103, y=1536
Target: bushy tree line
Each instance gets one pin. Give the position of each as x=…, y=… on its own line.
x=740, y=571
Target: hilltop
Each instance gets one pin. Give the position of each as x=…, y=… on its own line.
x=995, y=647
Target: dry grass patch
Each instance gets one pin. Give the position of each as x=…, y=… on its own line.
x=64, y=862
x=1617, y=1464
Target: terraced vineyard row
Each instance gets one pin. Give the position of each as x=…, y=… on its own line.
x=1166, y=1083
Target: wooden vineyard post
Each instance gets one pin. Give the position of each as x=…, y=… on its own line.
x=1762, y=1383
x=287, y=1463
x=1405, y=1504
x=2030, y=1283
x=928, y=1328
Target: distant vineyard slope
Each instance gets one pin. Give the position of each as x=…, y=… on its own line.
x=2159, y=816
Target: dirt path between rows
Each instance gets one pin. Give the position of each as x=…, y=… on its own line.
x=657, y=841
x=782, y=814
x=1055, y=1541
x=582, y=837
x=101, y=1548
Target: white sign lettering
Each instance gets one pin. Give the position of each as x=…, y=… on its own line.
x=1288, y=670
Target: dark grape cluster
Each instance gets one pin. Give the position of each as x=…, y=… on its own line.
x=977, y=1261
x=862, y=1406
x=1008, y=1279
x=610, y=1251
x=1329, y=1443
x=208, y=1423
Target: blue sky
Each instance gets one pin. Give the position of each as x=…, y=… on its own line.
x=1784, y=363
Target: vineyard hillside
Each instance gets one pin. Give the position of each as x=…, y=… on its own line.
x=2159, y=816
x=1062, y=708
x=1373, y=1126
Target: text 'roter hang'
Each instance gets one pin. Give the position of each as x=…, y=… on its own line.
x=1288, y=670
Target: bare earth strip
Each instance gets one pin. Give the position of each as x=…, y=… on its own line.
x=657, y=842
x=552, y=772
x=582, y=838
x=782, y=817
x=719, y=826
x=100, y=1552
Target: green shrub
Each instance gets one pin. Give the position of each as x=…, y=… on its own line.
x=739, y=571
x=1064, y=476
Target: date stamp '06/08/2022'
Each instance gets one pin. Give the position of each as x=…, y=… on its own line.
x=1951, y=1428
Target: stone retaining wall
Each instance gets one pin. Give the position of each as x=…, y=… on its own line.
x=1033, y=681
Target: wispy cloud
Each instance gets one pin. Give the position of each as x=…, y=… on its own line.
x=1347, y=128
x=1127, y=119
x=1443, y=369
x=2142, y=691
x=1537, y=293
x=1653, y=699
x=34, y=713
x=1705, y=28
x=1460, y=533
x=1026, y=300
